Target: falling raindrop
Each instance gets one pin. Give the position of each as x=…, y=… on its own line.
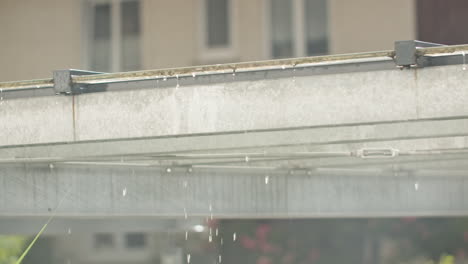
x=69, y=231
x=188, y=258
x=211, y=208
x=294, y=74
x=190, y=170
x=416, y=186
x=216, y=232
x=234, y=236
x=464, y=61
x=221, y=241
x=267, y=178
x=185, y=213
x=211, y=216
x=194, y=75
x=283, y=67
x=185, y=184
x=1, y=96
x=51, y=166
x=186, y=235
x=247, y=159
x=168, y=170
x=124, y=191
x=219, y=258
x=177, y=78
x=210, y=238
x=164, y=78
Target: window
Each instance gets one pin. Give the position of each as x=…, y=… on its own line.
x=114, y=35
x=217, y=30
x=135, y=240
x=104, y=241
x=298, y=28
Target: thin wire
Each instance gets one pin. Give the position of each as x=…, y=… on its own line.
x=20, y=259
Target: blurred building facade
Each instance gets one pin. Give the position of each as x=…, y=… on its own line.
x=121, y=35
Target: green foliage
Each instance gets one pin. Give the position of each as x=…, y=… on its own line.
x=10, y=248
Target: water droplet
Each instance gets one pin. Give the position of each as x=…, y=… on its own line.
x=194, y=75
x=186, y=235
x=234, y=237
x=267, y=178
x=416, y=186
x=294, y=74
x=188, y=258
x=51, y=166
x=210, y=238
x=185, y=213
x=211, y=208
x=69, y=231
x=464, y=61
x=124, y=191
x=283, y=67
x=216, y=232
x=247, y=159
x=219, y=258
x=177, y=78
x=164, y=78
x=168, y=170
x=190, y=170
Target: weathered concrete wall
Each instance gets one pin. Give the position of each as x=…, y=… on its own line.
x=359, y=97
x=82, y=191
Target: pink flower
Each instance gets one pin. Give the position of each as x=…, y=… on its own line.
x=262, y=232
x=263, y=260
x=248, y=243
x=266, y=247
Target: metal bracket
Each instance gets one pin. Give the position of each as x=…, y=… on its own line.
x=63, y=82
x=406, y=53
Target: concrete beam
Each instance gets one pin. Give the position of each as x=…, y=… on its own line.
x=405, y=135
x=112, y=192
x=273, y=103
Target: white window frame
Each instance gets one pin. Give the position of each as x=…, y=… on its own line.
x=299, y=30
x=208, y=54
x=116, y=34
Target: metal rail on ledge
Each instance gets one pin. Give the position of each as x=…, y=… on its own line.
x=227, y=68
